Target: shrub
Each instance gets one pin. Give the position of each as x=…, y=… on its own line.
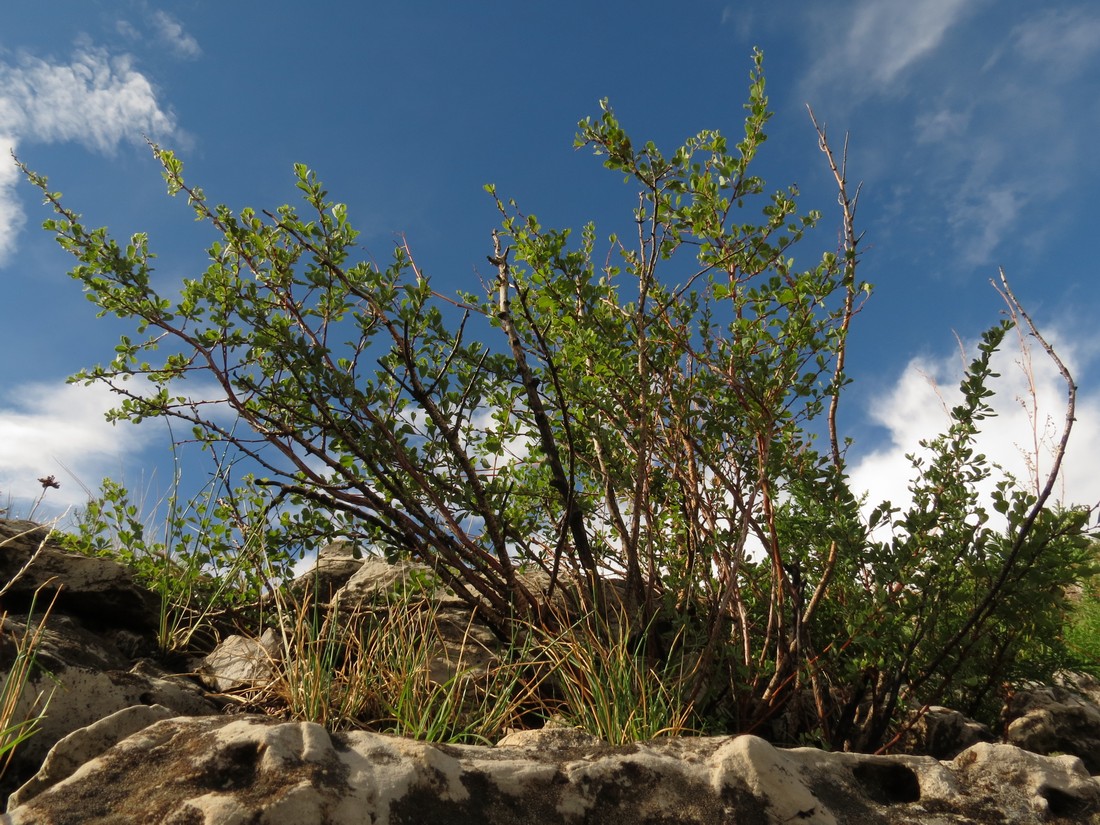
x=667, y=417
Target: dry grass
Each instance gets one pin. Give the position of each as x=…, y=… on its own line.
x=18, y=721
x=608, y=686
x=386, y=667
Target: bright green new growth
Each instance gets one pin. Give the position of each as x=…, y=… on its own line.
x=204, y=565
x=647, y=412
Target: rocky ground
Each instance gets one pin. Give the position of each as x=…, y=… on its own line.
x=126, y=741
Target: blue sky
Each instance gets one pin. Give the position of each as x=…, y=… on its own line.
x=972, y=127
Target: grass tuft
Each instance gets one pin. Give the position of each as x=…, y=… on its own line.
x=385, y=667
x=610, y=688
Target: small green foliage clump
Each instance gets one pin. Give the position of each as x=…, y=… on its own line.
x=1082, y=630
x=204, y=563
x=660, y=410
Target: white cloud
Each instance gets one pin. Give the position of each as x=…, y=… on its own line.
x=127, y=30
x=96, y=100
x=868, y=49
x=998, y=141
x=11, y=215
x=59, y=429
x=171, y=31
x=888, y=38
x=746, y=23
x=161, y=29
x=916, y=408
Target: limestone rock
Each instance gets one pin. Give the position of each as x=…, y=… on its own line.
x=1049, y=786
x=1061, y=718
x=87, y=680
x=378, y=581
x=155, y=748
x=99, y=591
x=241, y=661
x=85, y=663
x=220, y=770
x=336, y=563
x=943, y=733
x=86, y=744
x=554, y=738
x=462, y=644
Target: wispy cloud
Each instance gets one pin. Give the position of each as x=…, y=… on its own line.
x=868, y=47
x=885, y=39
x=97, y=100
x=990, y=140
x=941, y=125
x=127, y=30
x=171, y=32
x=981, y=217
x=744, y=20
x=1065, y=40
x=158, y=28
x=1006, y=138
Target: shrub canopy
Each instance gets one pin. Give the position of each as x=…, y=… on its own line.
x=658, y=410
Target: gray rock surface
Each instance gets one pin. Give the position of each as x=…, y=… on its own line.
x=86, y=744
x=239, y=661
x=99, y=591
x=943, y=733
x=90, y=662
x=463, y=644
x=1061, y=718
x=82, y=696
x=336, y=563
x=257, y=770
x=377, y=581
